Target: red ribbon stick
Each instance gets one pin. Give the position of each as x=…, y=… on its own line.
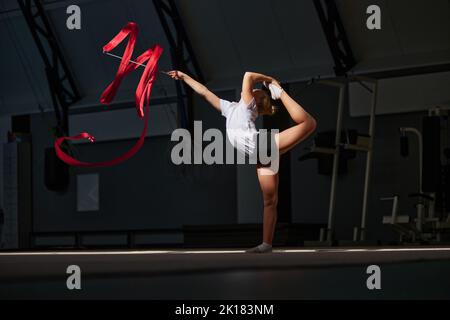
x=142, y=97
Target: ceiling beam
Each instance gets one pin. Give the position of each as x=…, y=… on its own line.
x=62, y=86
x=183, y=57
x=337, y=40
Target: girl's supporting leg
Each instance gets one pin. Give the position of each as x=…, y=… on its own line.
x=285, y=140
x=269, y=188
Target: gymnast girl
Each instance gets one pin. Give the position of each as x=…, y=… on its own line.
x=242, y=115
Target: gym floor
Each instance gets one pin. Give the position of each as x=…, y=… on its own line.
x=321, y=273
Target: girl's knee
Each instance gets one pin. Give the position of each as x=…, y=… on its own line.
x=270, y=200
x=312, y=124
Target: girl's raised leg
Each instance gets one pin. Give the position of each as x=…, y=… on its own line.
x=305, y=125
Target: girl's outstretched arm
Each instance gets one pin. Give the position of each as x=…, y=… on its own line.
x=197, y=87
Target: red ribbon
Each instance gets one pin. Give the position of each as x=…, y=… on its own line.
x=142, y=97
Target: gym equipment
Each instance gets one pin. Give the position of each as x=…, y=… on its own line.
x=362, y=143
x=323, y=151
x=434, y=182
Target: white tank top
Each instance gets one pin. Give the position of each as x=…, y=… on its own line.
x=240, y=124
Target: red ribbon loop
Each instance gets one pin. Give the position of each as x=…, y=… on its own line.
x=142, y=96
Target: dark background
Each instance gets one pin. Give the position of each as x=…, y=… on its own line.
x=280, y=38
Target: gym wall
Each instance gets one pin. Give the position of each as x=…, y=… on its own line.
x=5, y=125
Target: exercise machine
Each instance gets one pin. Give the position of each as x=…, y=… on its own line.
x=343, y=145
x=431, y=222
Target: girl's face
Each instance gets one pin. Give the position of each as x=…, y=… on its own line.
x=262, y=100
